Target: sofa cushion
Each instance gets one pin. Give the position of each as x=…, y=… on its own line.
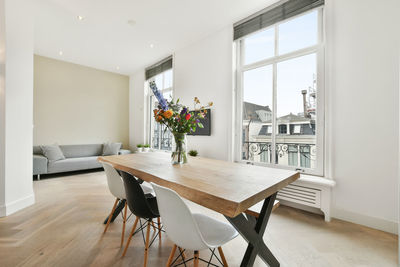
x=80, y=151
x=111, y=148
x=52, y=152
x=73, y=164
x=37, y=150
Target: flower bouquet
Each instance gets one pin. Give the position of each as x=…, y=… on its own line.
x=179, y=120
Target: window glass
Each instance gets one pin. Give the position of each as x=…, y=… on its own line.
x=259, y=46
x=159, y=81
x=257, y=114
x=168, y=79
x=298, y=33
x=160, y=137
x=296, y=98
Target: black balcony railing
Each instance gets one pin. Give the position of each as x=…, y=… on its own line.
x=292, y=154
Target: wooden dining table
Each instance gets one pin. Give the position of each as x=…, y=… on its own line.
x=226, y=187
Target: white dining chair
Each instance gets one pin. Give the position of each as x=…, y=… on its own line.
x=116, y=187
x=191, y=231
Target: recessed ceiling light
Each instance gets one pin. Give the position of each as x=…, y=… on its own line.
x=131, y=22
x=80, y=17
x=151, y=45
x=60, y=53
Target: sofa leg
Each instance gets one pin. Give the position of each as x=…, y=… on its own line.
x=38, y=177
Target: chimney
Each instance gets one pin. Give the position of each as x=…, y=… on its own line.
x=304, y=93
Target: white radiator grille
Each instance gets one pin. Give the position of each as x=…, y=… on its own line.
x=301, y=194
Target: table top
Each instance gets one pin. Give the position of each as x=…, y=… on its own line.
x=226, y=187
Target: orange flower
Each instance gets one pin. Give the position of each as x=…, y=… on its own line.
x=155, y=112
x=159, y=118
x=168, y=114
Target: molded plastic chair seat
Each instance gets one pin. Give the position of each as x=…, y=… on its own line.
x=147, y=189
x=214, y=232
x=114, y=181
x=142, y=205
x=117, y=189
x=191, y=231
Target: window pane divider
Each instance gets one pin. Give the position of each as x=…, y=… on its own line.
x=279, y=58
x=274, y=96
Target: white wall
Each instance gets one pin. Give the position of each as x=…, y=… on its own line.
x=74, y=104
x=362, y=51
x=137, y=110
x=16, y=102
x=2, y=107
x=205, y=70
x=362, y=105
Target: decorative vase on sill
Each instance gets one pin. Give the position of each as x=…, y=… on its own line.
x=179, y=120
x=179, y=148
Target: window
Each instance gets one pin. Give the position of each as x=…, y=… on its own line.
x=160, y=138
x=283, y=129
x=296, y=129
x=293, y=155
x=280, y=86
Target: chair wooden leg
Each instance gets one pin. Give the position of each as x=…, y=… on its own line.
x=159, y=228
x=146, y=249
x=123, y=225
x=171, y=256
x=221, y=253
x=130, y=236
x=111, y=214
x=196, y=258
x=154, y=227
x=183, y=253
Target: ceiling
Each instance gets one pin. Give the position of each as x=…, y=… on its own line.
x=105, y=40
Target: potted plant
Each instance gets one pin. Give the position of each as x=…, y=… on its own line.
x=193, y=153
x=179, y=120
x=146, y=148
x=139, y=147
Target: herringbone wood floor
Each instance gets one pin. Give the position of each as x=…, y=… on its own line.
x=64, y=228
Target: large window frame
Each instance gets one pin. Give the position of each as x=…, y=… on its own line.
x=151, y=104
x=318, y=49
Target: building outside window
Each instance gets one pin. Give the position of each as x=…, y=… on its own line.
x=280, y=86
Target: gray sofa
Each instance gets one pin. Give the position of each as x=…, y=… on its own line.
x=77, y=157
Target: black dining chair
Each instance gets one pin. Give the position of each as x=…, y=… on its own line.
x=143, y=206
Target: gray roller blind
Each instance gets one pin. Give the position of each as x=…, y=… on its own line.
x=159, y=67
x=273, y=15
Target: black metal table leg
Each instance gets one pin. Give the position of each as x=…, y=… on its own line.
x=117, y=211
x=252, y=231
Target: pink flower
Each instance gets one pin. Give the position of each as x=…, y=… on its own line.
x=188, y=116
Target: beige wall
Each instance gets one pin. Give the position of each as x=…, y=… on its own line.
x=74, y=104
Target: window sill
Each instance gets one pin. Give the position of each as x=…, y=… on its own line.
x=316, y=180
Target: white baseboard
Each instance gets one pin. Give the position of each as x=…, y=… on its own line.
x=369, y=221
x=372, y=222
x=14, y=206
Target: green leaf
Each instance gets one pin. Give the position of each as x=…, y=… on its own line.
x=200, y=125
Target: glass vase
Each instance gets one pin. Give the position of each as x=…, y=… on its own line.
x=179, y=149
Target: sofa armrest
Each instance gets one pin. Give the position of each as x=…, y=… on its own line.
x=124, y=151
x=39, y=164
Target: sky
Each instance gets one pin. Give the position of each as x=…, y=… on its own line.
x=293, y=75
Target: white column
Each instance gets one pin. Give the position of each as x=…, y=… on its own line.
x=16, y=105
